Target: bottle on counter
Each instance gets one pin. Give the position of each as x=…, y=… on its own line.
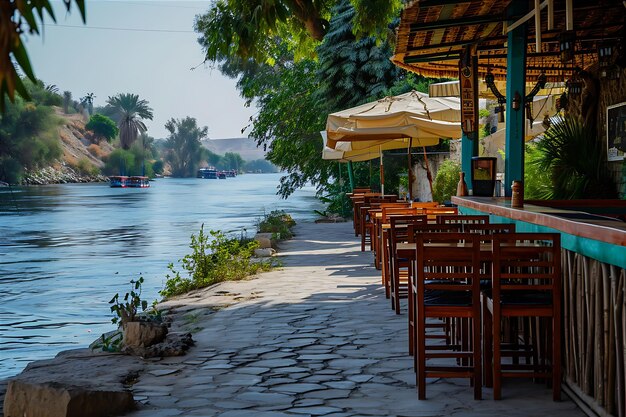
x=461, y=188
x=517, y=194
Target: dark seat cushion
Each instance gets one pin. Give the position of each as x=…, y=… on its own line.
x=526, y=297
x=447, y=298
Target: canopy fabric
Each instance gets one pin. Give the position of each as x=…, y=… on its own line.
x=411, y=115
x=343, y=153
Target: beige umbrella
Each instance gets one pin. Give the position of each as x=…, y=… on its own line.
x=408, y=120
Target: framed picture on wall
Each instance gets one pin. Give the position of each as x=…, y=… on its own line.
x=616, y=132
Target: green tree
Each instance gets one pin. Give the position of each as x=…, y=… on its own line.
x=102, y=127
x=232, y=160
x=184, y=147
x=67, y=101
x=18, y=18
x=87, y=102
x=247, y=28
x=213, y=159
x=129, y=112
x=28, y=138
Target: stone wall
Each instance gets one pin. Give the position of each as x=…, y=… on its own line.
x=421, y=185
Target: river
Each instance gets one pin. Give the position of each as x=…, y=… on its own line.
x=65, y=250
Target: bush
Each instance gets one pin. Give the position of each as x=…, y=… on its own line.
x=446, y=181
x=278, y=223
x=84, y=166
x=96, y=151
x=214, y=258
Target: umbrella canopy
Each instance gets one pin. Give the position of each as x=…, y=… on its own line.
x=412, y=115
x=338, y=154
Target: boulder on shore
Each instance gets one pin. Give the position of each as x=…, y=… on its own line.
x=75, y=383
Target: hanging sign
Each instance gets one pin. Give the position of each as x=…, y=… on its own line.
x=468, y=81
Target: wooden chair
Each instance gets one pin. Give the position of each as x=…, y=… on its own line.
x=397, y=270
x=447, y=284
x=414, y=230
x=434, y=212
x=462, y=219
x=526, y=283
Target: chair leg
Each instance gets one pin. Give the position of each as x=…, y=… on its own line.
x=421, y=358
x=556, y=356
x=477, y=357
x=497, y=360
x=488, y=345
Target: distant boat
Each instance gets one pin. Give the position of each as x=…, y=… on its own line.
x=138, y=182
x=121, y=181
x=207, y=173
x=231, y=173
x=4, y=184
x=221, y=175
x=118, y=181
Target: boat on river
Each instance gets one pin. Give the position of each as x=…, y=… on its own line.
x=122, y=181
x=207, y=173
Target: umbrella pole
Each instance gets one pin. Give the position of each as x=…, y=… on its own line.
x=351, y=175
x=410, y=178
x=428, y=174
x=382, y=172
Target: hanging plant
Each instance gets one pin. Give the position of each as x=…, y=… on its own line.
x=572, y=153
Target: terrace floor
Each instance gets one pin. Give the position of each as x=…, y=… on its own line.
x=316, y=337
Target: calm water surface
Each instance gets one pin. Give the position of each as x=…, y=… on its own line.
x=65, y=250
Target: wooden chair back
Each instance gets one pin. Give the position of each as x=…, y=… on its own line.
x=462, y=219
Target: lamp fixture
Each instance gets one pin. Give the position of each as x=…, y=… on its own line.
x=517, y=101
x=567, y=41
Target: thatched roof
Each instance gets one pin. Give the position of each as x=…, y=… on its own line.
x=432, y=34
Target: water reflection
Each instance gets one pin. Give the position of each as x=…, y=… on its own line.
x=66, y=249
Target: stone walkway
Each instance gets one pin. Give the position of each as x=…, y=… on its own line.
x=315, y=338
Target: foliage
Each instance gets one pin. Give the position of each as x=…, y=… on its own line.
x=87, y=102
x=102, y=127
x=129, y=112
x=278, y=223
x=110, y=342
x=352, y=70
x=572, y=153
x=232, y=160
x=86, y=167
x=17, y=19
x=261, y=165
x=67, y=101
x=446, y=181
x=215, y=257
x=128, y=162
x=41, y=94
x=185, y=150
x=157, y=167
x=247, y=29
x=127, y=309
x=537, y=181
x=28, y=138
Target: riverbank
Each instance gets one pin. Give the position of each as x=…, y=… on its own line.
x=61, y=174
x=316, y=337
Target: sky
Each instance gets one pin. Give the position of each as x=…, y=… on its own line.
x=151, y=57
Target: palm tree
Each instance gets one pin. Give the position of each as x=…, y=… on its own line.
x=129, y=111
x=87, y=102
x=67, y=101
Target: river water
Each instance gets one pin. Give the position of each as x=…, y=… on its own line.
x=65, y=250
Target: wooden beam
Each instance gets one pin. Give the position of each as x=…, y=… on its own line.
x=432, y=3
x=465, y=21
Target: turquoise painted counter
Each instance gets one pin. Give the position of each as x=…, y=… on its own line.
x=596, y=237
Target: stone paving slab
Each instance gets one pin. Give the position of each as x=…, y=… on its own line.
x=314, y=338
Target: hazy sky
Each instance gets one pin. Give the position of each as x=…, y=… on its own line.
x=152, y=57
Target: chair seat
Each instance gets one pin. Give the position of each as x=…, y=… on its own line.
x=447, y=298
x=530, y=297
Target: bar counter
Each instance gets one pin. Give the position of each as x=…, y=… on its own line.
x=594, y=295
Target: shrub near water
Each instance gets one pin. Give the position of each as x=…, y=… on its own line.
x=278, y=223
x=215, y=257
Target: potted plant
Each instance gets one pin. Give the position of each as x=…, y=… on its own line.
x=139, y=330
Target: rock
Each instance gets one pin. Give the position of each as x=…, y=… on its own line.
x=264, y=253
x=264, y=240
x=140, y=334
x=56, y=399
x=176, y=344
x=75, y=383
